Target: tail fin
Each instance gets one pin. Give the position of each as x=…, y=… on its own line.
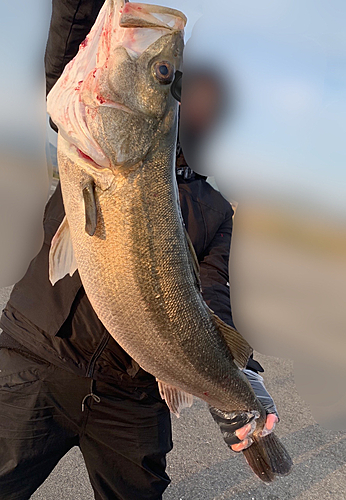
x=280, y=461
x=268, y=456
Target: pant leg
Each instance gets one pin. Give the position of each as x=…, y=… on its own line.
x=32, y=435
x=125, y=442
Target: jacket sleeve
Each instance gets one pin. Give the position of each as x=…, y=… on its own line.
x=214, y=271
x=70, y=23
x=215, y=277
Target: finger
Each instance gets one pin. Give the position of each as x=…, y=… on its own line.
x=271, y=421
x=246, y=431
x=243, y=432
x=242, y=446
x=231, y=421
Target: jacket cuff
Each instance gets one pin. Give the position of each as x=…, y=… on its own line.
x=254, y=365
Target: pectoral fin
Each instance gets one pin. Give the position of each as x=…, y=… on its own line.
x=61, y=256
x=238, y=346
x=175, y=399
x=90, y=208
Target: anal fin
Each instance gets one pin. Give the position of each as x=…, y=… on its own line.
x=175, y=398
x=61, y=256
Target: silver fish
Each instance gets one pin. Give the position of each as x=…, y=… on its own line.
x=123, y=229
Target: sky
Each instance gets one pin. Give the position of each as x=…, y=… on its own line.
x=285, y=63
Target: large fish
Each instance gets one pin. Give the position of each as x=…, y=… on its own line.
x=123, y=229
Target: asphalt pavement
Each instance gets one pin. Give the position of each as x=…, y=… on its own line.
x=202, y=468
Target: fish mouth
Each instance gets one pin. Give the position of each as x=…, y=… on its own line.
x=86, y=158
x=139, y=15
x=107, y=103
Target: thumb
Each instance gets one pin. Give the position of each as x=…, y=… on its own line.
x=271, y=421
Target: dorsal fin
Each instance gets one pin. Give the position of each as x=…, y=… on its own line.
x=239, y=347
x=195, y=262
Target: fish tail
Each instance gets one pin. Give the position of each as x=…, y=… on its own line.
x=267, y=456
x=257, y=457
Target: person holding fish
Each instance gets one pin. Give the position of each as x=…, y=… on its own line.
x=72, y=372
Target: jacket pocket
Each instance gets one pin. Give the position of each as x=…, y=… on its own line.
x=18, y=370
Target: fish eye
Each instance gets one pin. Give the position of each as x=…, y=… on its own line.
x=164, y=72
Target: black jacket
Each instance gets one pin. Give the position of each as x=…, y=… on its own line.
x=70, y=23
x=58, y=323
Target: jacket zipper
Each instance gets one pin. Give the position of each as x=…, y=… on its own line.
x=97, y=354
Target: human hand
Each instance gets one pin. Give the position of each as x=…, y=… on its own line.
x=237, y=427
x=244, y=433
x=257, y=384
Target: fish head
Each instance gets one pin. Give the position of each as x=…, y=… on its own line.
x=136, y=110
x=113, y=101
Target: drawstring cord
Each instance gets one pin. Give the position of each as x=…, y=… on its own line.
x=95, y=397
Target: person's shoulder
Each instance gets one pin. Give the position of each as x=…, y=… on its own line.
x=203, y=192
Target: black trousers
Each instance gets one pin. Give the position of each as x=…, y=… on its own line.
x=124, y=434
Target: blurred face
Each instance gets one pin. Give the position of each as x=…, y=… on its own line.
x=199, y=110
x=199, y=105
